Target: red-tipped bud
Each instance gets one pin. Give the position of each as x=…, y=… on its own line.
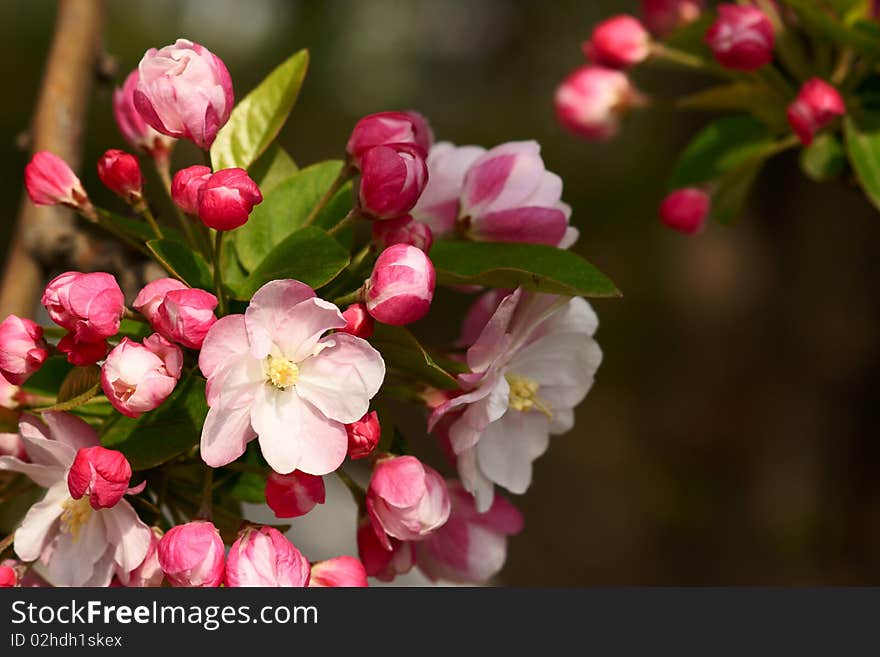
x=685, y=210
x=22, y=349
x=392, y=179
x=389, y=128
x=102, y=474
x=227, y=198
x=742, y=37
x=359, y=323
x=338, y=572
x=193, y=555
x=401, y=286
x=817, y=104
x=618, y=42
x=121, y=173
x=363, y=435
x=186, y=185
x=50, y=181
x=295, y=494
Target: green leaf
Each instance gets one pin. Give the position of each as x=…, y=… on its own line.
x=732, y=192
x=691, y=37
x=256, y=120
x=719, y=147
x=814, y=18
x=284, y=209
x=134, y=330
x=140, y=229
x=182, y=262
x=46, y=382
x=79, y=381
x=162, y=434
x=824, y=159
x=738, y=96
x=863, y=148
x=532, y=266
x=273, y=167
x=402, y=350
x=249, y=487
x=309, y=255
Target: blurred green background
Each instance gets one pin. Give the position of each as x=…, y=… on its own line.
x=731, y=436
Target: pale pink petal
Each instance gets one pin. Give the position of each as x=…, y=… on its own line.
x=39, y=524
x=267, y=314
x=275, y=419
x=128, y=535
x=225, y=339
x=225, y=435
x=400, y=481
x=42, y=475
x=474, y=481
x=466, y=431
x=71, y=430
x=509, y=446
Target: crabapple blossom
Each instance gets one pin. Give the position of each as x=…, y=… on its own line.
x=663, y=16
x=817, y=104
x=185, y=316
x=101, y=474
x=11, y=445
x=184, y=90
x=265, y=557
x=380, y=562
x=401, y=287
x=471, y=547
x=272, y=376
x=79, y=545
x=685, y=209
x=137, y=378
x=509, y=196
x=338, y=572
x=121, y=173
x=132, y=125
x=22, y=349
x=358, y=321
x=403, y=230
x=618, y=42
x=88, y=305
x=479, y=314
x=186, y=185
x=49, y=180
x=438, y=206
x=406, y=499
x=532, y=364
x=592, y=99
x=392, y=179
x=363, y=436
x=192, y=555
x=741, y=38
x=148, y=574
x=388, y=128
x=226, y=199
x=295, y=494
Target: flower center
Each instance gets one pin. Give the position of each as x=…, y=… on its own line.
x=524, y=395
x=76, y=514
x=281, y=372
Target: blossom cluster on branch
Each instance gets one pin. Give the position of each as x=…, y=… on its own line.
x=273, y=352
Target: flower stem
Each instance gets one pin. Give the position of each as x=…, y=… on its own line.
x=345, y=299
x=358, y=493
x=6, y=542
x=218, y=273
x=207, y=507
x=344, y=223
x=128, y=313
x=164, y=172
x=680, y=57
x=107, y=224
x=148, y=215
x=345, y=174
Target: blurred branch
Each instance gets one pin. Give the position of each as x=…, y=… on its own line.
x=48, y=236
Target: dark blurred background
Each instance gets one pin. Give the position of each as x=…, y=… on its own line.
x=731, y=436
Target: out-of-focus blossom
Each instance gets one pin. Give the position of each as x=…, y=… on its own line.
x=685, y=210
x=663, y=16
x=618, y=42
x=742, y=37
x=380, y=562
x=591, y=101
x=817, y=104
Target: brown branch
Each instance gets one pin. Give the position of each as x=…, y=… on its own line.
x=48, y=236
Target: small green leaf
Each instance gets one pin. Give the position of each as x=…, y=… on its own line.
x=162, y=434
x=249, y=487
x=256, y=120
x=46, y=382
x=284, y=209
x=135, y=330
x=182, y=262
x=732, y=192
x=140, y=229
x=824, y=159
x=738, y=96
x=273, y=167
x=309, y=255
x=863, y=147
x=79, y=381
x=823, y=23
x=719, y=147
x=402, y=350
x=532, y=266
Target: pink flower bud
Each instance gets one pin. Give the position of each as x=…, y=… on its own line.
x=401, y=286
x=152, y=295
x=590, y=102
x=359, y=323
x=102, y=474
x=618, y=42
x=185, y=316
x=742, y=37
x=338, y=572
x=184, y=90
x=132, y=125
x=389, y=128
x=22, y=349
x=137, y=378
x=8, y=577
x=363, y=435
x=406, y=499
x=264, y=557
x=226, y=200
x=664, y=16
x=403, y=230
x=392, y=179
x=817, y=104
x=295, y=494
x=380, y=562
x=50, y=181
x=685, y=210
x=471, y=547
x=192, y=555
x=121, y=173
x=88, y=305
x=149, y=574
x=186, y=185
x=82, y=352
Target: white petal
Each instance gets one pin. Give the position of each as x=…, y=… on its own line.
x=40, y=525
x=474, y=481
x=225, y=435
x=129, y=536
x=466, y=431
x=71, y=430
x=43, y=476
x=273, y=418
x=508, y=447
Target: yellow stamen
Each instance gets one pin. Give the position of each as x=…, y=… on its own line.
x=281, y=372
x=524, y=395
x=76, y=514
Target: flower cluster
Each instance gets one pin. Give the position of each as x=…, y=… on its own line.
x=264, y=360
x=773, y=79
